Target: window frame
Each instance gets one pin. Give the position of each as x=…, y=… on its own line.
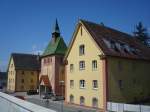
x=94, y=65
x=81, y=50
x=82, y=84
x=93, y=84
x=71, y=83
x=71, y=67
x=82, y=65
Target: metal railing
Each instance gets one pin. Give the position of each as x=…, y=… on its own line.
x=122, y=107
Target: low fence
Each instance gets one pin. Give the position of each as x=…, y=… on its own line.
x=121, y=107
x=12, y=104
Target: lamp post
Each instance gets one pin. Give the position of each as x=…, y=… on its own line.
x=61, y=83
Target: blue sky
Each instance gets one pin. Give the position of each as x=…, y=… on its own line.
x=26, y=25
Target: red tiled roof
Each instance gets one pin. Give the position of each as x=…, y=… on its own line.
x=45, y=79
x=100, y=32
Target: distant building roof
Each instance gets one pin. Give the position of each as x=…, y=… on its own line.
x=3, y=75
x=26, y=61
x=115, y=43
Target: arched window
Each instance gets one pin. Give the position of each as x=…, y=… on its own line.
x=82, y=100
x=95, y=102
x=71, y=98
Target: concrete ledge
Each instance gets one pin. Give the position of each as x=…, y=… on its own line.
x=8, y=102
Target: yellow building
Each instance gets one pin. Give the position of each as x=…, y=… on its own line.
x=103, y=64
x=23, y=71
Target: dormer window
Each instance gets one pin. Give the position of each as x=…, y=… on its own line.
x=81, y=50
x=133, y=50
x=112, y=44
x=107, y=42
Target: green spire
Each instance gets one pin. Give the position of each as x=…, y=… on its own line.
x=57, y=45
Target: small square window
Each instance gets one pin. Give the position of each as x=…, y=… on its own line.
x=81, y=50
x=32, y=73
x=120, y=84
x=82, y=83
x=82, y=65
x=94, y=65
x=22, y=80
x=71, y=67
x=22, y=72
x=31, y=80
x=22, y=87
x=71, y=83
x=95, y=84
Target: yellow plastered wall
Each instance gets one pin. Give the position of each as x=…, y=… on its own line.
x=91, y=53
x=135, y=76
x=27, y=76
x=11, y=76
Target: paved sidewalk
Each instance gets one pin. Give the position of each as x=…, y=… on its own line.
x=58, y=106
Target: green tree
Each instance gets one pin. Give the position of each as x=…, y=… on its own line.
x=142, y=34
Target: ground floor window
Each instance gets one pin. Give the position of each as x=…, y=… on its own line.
x=71, y=99
x=82, y=100
x=95, y=102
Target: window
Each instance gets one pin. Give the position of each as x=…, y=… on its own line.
x=32, y=87
x=22, y=87
x=95, y=84
x=71, y=67
x=81, y=50
x=94, y=65
x=120, y=67
x=31, y=80
x=120, y=84
x=22, y=72
x=71, y=83
x=71, y=98
x=44, y=60
x=112, y=44
x=81, y=65
x=48, y=60
x=22, y=80
x=82, y=100
x=82, y=83
x=32, y=73
x=95, y=102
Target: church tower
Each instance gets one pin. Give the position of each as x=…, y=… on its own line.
x=52, y=74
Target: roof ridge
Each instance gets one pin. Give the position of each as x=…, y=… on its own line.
x=24, y=54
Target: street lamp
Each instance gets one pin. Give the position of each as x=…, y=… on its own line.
x=61, y=83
